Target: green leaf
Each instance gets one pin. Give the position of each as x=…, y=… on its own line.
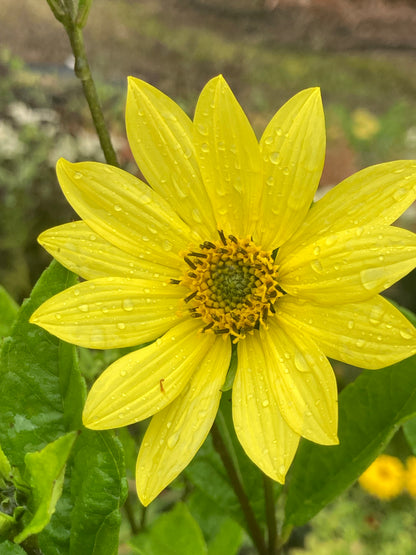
x=227, y=540
x=8, y=312
x=173, y=533
x=9, y=548
x=370, y=411
x=409, y=429
x=222, y=534
x=98, y=489
x=45, y=472
x=41, y=390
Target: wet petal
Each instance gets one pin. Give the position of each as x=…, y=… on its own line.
x=369, y=334
x=144, y=382
x=125, y=211
x=177, y=432
x=107, y=313
x=348, y=266
x=229, y=158
x=160, y=137
x=265, y=436
x=90, y=256
x=293, y=151
x=377, y=195
x=304, y=382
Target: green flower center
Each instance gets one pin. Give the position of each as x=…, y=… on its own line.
x=233, y=285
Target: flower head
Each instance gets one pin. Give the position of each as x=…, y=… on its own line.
x=384, y=478
x=189, y=263
x=411, y=476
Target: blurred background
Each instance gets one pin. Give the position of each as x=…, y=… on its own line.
x=361, y=53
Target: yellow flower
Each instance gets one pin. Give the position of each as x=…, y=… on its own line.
x=411, y=476
x=384, y=478
x=189, y=263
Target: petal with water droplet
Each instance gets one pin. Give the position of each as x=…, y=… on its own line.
x=154, y=376
x=352, y=267
x=101, y=188
x=264, y=434
x=293, y=148
x=301, y=380
x=91, y=256
x=376, y=195
x=177, y=432
x=377, y=334
x=229, y=158
x=160, y=137
x=116, y=312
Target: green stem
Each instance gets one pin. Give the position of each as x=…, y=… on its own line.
x=253, y=527
x=128, y=507
x=82, y=71
x=270, y=515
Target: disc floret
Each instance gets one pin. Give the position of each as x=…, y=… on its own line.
x=233, y=285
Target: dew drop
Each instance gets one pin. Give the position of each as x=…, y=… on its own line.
x=58, y=316
x=405, y=334
x=196, y=216
x=121, y=325
x=274, y=157
x=202, y=129
x=128, y=304
x=285, y=171
x=117, y=208
x=268, y=140
x=167, y=245
x=78, y=175
x=279, y=131
x=316, y=266
x=205, y=147
x=265, y=403
x=350, y=324
x=173, y=440
x=270, y=181
x=123, y=373
x=76, y=292
x=316, y=251
x=83, y=308
x=282, y=469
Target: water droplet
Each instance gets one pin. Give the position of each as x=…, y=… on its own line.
x=78, y=175
x=123, y=373
x=83, y=308
x=205, y=147
x=360, y=343
x=117, y=208
x=202, y=129
x=268, y=140
x=93, y=237
x=282, y=469
x=405, y=334
x=316, y=250
x=274, y=157
x=279, y=131
x=301, y=363
x=316, y=266
x=187, y=153
x=58, y=316
x=167, y=245
x=270, y=181
x=173, y=440
x=350, y=324
x=285, y=171
x=128, y=304
x=76, y=292
x=265, y=403
x=121, y=325
x=371, y=278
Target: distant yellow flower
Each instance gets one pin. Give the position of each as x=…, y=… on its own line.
x=411, y=476
x=384, y=478
x=364, y=124
x=190, y=264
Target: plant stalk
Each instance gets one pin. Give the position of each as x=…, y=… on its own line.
x=253, y=527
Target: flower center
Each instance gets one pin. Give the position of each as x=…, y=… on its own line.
x=233, y=285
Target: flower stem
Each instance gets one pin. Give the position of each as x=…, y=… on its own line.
x=270, y=515
x=253, y=527
x=82, y=71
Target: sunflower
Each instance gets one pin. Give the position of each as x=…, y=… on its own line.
x=223, y=249
x=384, y=478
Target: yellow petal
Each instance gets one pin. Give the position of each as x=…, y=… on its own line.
x=144, y=382
x=265, y=436
x=377, y=195
x=348, y=266
x=160, y=137
x=293, y=151
x=90, y=256
x=107, y=313
x=304, y=382
x=370, y=334
x=229, y=158
x=177, y=432
x=125, y=211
